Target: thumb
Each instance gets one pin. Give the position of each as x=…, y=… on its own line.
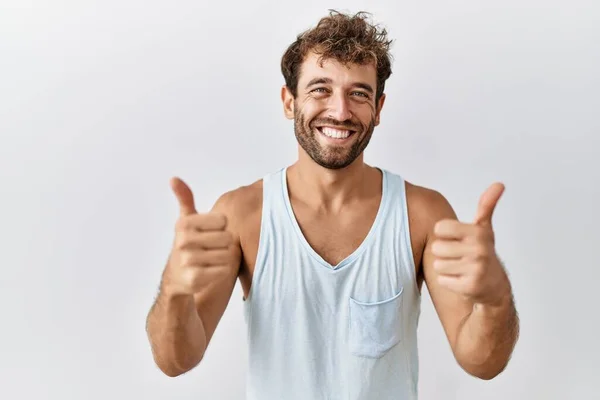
x=184, y=195
x=487, y=203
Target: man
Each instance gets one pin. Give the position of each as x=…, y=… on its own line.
x=331, y=253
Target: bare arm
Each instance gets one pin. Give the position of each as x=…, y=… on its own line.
x=176, y=333
x=470, y=289
x=196, y=286
x=487, y=338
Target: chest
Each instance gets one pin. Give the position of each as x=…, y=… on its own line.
x=335, y=237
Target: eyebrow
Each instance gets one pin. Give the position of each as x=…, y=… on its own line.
x=328, y=81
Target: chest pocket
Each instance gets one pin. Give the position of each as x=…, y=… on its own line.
x=375, y=327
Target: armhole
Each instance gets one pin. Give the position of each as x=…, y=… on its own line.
x=406, y=236
x=262, y=238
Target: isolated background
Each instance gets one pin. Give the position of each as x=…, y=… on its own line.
x=101, y=102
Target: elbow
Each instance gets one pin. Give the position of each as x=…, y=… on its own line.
x=169, y=364
x=488, y=375
x=171, y=369
x=484, y=365
x=484, y=372
x=171, y=372
x=174, y=357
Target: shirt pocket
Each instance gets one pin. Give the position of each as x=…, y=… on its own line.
x=375, y=327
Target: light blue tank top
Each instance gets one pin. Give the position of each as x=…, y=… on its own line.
x=333, y=332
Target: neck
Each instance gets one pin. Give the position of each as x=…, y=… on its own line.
x=329, y=189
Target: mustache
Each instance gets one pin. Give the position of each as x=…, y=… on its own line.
x=349, y=125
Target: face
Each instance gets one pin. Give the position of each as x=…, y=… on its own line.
x=335, y=111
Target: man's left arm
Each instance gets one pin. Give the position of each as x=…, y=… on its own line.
x=469, y=287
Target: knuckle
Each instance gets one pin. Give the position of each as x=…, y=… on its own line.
x=191, y=277
x=214, y=220
x=181, y=241
x=220, y=239
x=184, y=259
x=179, y=224
x=189, y=258
x=184, y=223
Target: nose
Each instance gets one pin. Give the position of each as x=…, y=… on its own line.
x=339, y=108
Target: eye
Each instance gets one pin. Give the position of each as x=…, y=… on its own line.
x=319, y=90
x=360, y=94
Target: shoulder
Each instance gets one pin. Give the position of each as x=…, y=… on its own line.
x=426, y=206
x=240, y=203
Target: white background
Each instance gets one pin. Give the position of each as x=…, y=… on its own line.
x=101, y=102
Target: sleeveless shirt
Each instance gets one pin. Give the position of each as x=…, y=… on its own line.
x=333, y=332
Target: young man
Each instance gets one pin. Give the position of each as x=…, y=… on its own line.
x=331, y=252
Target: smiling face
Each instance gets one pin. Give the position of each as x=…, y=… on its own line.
x=335, y=111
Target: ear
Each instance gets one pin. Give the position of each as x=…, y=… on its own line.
x=378, y=110
x=288, y=102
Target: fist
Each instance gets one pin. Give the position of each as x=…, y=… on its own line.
x=465, y=256
x=203, y=250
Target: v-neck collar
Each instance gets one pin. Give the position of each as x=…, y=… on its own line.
x=351, y=257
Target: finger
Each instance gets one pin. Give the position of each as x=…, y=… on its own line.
x=453, y=229
x=212, y=221
x=205, y=240
x=454, y=267
x=487, y=204
x=451, y=249
x=204, y=222
x=208, y=258
x=184, y=195
x=454, y=283
x=202, y=278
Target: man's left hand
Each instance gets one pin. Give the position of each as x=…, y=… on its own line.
x=465, y=255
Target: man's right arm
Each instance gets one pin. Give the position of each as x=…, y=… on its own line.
x=196, y=285
x=176, y=333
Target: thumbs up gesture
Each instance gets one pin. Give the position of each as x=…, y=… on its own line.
x=465, y=256
x=203, y=252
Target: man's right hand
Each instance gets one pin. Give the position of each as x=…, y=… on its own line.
x=203, y=253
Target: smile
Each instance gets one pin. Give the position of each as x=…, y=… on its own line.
x=335, y=133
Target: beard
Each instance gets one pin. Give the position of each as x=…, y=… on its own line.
x=331, y=157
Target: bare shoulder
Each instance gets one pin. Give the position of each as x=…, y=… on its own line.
x=243, y=208
x=240, y=203
x=427, y=206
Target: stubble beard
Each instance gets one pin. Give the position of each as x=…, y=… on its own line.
x=331, y=157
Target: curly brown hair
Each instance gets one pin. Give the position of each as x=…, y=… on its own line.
x=345, y=38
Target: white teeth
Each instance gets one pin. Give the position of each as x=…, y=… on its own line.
x=335, y=133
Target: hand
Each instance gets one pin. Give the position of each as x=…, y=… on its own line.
x=203, y=250
x=465, y=256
